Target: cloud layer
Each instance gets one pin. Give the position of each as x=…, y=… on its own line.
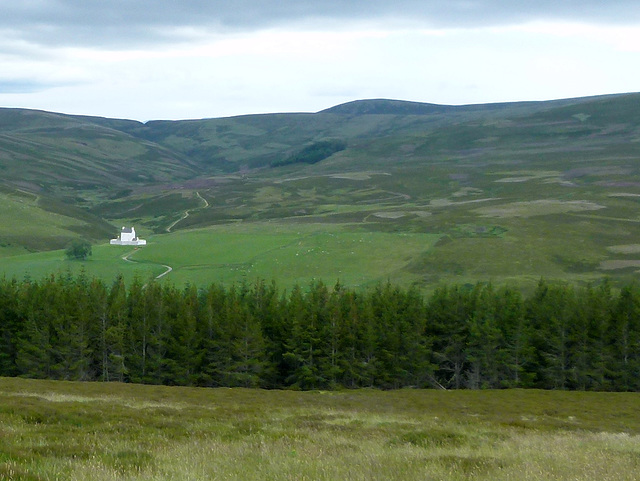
x=127, y=24
x=149, y=59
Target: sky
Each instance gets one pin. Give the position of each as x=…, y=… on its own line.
x=161, y=59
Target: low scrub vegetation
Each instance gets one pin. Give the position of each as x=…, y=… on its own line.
x=80, y=431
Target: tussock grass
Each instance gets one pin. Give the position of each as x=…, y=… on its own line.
x=74, y=431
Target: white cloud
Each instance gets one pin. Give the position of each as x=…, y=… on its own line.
x=173, y=64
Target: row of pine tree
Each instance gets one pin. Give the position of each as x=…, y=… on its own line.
x=481, y=336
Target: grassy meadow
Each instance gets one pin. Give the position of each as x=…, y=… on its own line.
x=106, y=262
x=78, y=431
x=236, y=253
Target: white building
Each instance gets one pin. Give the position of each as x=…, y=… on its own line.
x=128, y=237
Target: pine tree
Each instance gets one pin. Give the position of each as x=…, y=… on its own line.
x=448, y=311
x=11, y=325
x=138, y=332
x=97, y=324
x=485, y=342
x=114, y=332
x=517, y=353
x=34, y=353
x=267, y=306
x=209, y=329
x=302, y=354
x=248, y=346
x=624, y=341
x=158, y=333
x=600, y=303
x=550, y=313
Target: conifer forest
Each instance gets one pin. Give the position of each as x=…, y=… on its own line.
x=321, y=337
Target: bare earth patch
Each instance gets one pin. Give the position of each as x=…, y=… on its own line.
x=625, y=249
x=514, y=179
x=448, y=203
x=525, y=176
x=467, y=191
x=390, y=215
x=624, y=194
x=421, y=213
x=356, y=175
x=345, y=175
x=618, y=264
x=538, y=207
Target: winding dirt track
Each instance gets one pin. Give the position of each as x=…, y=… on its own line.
x=168, y=268
x=186, y=212
x=184, y=216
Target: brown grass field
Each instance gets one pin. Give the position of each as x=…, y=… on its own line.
x=81, y=431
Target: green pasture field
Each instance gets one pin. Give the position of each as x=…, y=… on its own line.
x=105, y=263
x=288, y=254
x=78, y=431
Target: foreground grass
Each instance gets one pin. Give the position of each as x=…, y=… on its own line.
x=58, y=430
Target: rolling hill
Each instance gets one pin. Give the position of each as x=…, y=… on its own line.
x=511, y=191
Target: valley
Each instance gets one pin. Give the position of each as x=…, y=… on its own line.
x=421, y=194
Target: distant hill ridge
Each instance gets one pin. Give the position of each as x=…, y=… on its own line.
x=54, y=152
x=10, y=115
x=404, y=107
x=387, y=107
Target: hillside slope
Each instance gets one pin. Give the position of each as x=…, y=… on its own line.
x=42, y=151
x=48, y=150
x=508, y=191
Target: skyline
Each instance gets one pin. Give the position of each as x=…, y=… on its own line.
x=158, y=60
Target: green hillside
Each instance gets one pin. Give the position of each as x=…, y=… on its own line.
x=45, y=152
x=510, y=192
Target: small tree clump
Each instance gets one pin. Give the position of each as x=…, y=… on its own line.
x=78, y=250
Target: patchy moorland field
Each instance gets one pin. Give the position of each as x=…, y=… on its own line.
x=507, y=193
x=78, y=431
x=362, y=231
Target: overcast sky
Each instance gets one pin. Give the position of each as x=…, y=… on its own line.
x=161, y=59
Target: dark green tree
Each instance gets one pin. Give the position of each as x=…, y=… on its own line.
x=448, y=311
x=78, y=250
x=11, y=325
x=517, y=353
x=623, y=358
x=305, y=315
x=550, y=311
x=485, y=343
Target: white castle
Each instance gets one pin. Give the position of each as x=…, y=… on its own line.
x=128, y=237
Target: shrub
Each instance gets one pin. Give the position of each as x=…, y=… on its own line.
x=78, y=250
